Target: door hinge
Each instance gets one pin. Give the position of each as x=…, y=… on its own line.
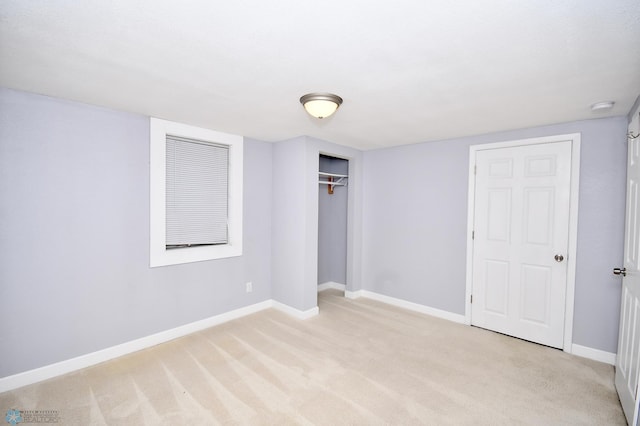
x=472, y=298
x=473, y=235
x=475, y=169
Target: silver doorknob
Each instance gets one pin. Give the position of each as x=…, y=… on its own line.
x=559, y=257
x=620, y=271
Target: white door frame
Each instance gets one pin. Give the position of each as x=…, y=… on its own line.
x=573, y=222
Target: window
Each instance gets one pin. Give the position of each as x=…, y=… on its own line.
x=196, y=194
x=196, y=199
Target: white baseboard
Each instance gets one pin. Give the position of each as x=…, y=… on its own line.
x=53, y=370
x=353, y=294
x=303, y=315
x=583, y=351
x=416, y=307
x=594, y=354
x=83, y=361
x=331, y=284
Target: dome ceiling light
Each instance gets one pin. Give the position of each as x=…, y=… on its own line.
x=321, y=105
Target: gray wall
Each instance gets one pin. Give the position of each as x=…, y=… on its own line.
x=332, y=224
x=414, y=229
x=74, y=236
x=74, y=230
x=289, y=224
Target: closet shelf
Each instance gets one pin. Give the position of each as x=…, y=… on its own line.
x=332, y=179
x=323, y=174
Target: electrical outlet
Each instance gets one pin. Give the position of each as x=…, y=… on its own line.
x=249, y=287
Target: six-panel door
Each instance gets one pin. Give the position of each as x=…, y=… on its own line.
x=521, y=227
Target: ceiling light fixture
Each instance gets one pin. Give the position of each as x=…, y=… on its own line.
x=602, y=106
x=321, y=105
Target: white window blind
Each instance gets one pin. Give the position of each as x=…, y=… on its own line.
x=196, y=192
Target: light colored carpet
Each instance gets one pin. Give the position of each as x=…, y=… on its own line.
x=359, y=362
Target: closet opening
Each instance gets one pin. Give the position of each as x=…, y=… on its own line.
x=333, y=181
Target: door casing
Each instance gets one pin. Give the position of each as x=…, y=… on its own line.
x=573, y=223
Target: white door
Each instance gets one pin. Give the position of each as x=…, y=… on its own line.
x=521, y=239
x=628, y=358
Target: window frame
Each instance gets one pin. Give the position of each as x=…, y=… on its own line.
x=159, y=255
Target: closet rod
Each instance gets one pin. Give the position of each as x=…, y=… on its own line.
x=332, y=183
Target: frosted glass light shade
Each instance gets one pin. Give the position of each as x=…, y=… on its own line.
x=321, y=109
x=321, y=105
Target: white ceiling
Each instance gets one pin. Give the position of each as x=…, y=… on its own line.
x=409, y=70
